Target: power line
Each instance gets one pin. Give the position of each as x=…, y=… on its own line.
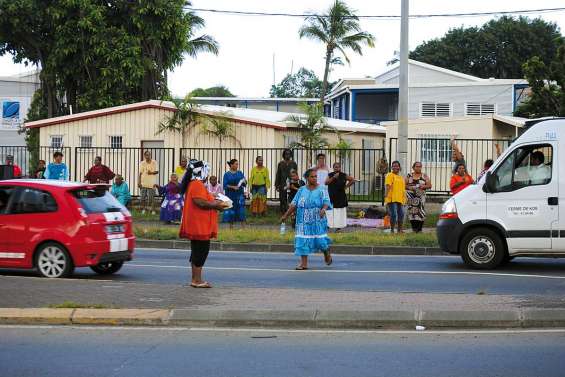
x=385, y=17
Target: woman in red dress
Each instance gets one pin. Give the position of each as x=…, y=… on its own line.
x=200, y=218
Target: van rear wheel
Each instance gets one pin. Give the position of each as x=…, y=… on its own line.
x=482, y=248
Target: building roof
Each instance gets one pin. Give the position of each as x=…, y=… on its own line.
x=381, y=81
x=255, y=99
x=510, y=120
x=262, y=118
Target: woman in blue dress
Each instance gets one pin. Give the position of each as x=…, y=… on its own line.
x=234, y=186
x=310, y=204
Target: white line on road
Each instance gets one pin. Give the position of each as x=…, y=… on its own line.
x=288, y=331
x=412, y=272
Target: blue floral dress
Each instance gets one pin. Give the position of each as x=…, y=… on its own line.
x=237, y=212
x=311, y=229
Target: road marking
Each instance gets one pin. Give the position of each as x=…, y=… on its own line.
x=413, y=272
x=288, y=331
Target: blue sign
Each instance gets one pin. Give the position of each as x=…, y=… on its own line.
x=11, y=110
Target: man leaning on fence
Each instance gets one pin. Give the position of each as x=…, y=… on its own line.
x=147, y=180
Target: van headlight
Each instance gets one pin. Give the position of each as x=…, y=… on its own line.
x=449, y=210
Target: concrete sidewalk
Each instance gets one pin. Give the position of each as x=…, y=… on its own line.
x=176, y=305
x=299, y=319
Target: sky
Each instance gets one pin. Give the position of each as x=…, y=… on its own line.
x=248, y=43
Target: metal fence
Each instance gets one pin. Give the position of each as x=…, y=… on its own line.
x=359, y=163
x=28, y=162
x=125, y=161
x=436, y=157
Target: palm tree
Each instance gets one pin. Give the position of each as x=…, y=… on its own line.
x=339, y=30
x=183, y=119
x=311, y=126
x=202, y=43
x=221, y=127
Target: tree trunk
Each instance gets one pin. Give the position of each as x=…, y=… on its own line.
x=326, y=74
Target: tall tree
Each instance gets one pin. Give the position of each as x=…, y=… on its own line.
x=497, y=49
x=214, y=91
x=547, y=83
x=338, y=29
x=96, y=54
x=302, y=84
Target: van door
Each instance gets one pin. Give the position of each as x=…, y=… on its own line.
x=525, y=197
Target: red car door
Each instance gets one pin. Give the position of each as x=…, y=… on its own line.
x=10, y=256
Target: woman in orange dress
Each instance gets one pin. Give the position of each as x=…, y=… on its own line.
x=460, y=180
x=200, y=218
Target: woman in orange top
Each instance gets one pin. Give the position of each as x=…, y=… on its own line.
x=200, y=219
x=460, y=179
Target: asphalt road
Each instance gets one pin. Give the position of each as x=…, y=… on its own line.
x=430, y=274
x=60, y=352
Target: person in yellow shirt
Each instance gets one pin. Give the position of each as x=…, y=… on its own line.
x=395, y=197
x=147, y=180
x=259, y=180
x=181, y=169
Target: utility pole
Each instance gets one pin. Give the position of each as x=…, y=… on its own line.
x=402, y=146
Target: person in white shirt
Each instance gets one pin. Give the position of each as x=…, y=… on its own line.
x=322, y=169
x=539, y=173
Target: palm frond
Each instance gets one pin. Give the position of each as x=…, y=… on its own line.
x=203, y=43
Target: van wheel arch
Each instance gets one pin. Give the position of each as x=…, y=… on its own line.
x=483, y=247
x=499, y=231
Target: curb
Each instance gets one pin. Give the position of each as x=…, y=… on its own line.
x=295, y=319
x=288, y=248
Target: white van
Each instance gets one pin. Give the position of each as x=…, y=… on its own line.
x=517, y=208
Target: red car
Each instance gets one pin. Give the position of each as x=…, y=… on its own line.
x=55, y=226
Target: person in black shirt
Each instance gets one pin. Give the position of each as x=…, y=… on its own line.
x=293, y=184
x=337, y=182
x=283, y=173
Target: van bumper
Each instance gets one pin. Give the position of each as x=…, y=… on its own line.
x=448, y=235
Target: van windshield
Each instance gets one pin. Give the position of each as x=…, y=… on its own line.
x=97, y=201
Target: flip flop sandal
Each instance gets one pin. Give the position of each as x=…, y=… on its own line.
x=328, y=262
x=201, y=285
x=301, y=268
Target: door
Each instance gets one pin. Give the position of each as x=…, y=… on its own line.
x=8, y=258
x=524, y=201
x=31, y=212
x=156, y=147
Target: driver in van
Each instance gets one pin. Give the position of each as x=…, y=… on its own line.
x=539, y=172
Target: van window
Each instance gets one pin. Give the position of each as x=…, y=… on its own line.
x=526, y=166
x=29, y=200
x=97, y=201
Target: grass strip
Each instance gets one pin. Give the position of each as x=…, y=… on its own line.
x=250, y=235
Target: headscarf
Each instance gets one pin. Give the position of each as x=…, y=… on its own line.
x=199, y=170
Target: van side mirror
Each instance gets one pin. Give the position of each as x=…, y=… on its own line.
x=490, y=183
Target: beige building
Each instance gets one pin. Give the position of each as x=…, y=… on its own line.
x=477, y=137
x=120, y=135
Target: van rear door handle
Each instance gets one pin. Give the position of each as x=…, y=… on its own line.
x=553, y=201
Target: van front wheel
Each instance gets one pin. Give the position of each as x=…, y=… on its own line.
x=482, y=248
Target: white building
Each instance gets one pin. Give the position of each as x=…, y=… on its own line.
x=16, y=93
x=433, y=92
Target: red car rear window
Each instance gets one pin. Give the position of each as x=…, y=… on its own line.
x=97, y=201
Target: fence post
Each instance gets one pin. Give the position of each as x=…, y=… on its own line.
x=75, y=162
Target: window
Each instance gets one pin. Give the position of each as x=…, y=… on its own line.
x=526, y=166
x=85, y=141
x=435, y=109
x=435, y=151
x=32, y=201
x=479, y=108
x=5, y=195
x=97, y=201
x=116, y=142
x=57, y=141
